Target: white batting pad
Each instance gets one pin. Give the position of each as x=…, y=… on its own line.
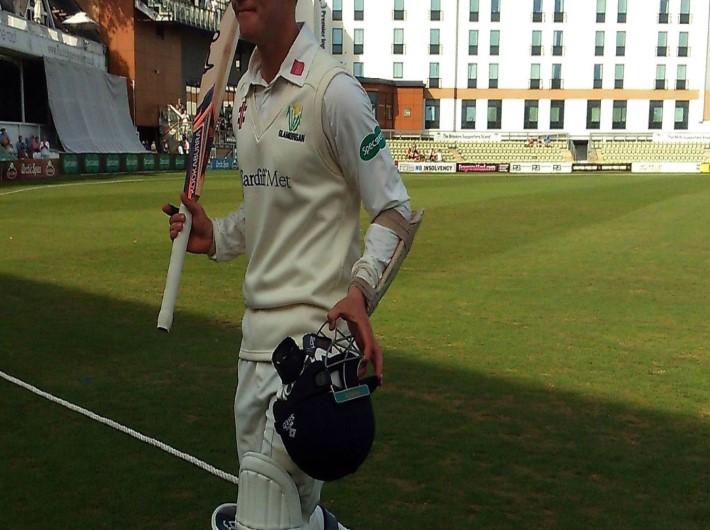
x=268, y=498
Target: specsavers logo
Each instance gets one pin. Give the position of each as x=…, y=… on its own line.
x=372, y=144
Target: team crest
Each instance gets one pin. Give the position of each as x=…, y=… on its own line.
x=293, y=116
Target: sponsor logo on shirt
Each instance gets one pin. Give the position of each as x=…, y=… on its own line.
x=293, y=114
x=242, y=112
x=372, y=144
x=264, y=178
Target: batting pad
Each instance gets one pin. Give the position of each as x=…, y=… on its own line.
x=268, y=498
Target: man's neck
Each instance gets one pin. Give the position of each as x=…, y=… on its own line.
x=274, y=53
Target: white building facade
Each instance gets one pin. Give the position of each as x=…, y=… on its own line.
x=573, y=66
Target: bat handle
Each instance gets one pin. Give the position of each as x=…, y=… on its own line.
x=172, y=282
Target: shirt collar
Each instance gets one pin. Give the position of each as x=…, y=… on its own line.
x=295, y=66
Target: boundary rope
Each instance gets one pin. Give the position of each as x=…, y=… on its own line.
x=122, y=428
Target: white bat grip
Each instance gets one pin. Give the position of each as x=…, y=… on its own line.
x=172, y=282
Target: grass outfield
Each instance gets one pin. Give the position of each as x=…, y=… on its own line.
x=547, y=358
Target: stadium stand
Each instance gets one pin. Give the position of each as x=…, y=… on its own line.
x=624, y=150
x=501, y=151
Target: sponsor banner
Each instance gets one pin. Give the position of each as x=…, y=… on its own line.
x=70, y=164
x=14, y=170
x=164, y=161
x=482, y=168
x=600, y=167
x=467, y=136
x=666, y=167
x=149, y=162
x=131, y=163
x=223, y=163
x=705, y=167
x=541, y=167
x=180, y=161
x=92, y=164
x=427, y=167
x=682, y=138
x=113, y=163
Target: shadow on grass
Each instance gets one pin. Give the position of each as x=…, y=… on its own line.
x=454, y=449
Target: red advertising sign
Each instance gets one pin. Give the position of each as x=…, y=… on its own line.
x=13, y=170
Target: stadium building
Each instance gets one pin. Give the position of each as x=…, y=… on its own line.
x=586, y=75
x=578, y=66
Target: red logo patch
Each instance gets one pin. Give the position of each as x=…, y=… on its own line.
x=297, y=67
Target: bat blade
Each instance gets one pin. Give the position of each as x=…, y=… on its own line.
x=212, y=86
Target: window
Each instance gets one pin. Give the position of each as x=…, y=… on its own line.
x=495, y=113
x=621, y=12
x=680, y=118
x=434, y=41
x=537, y=11
x=598, y=75
x=559, y=11
x=655, y=115
x=468, y=114
x=435, y=11
x=620, y=43
x=473, y=11
x=619, y=76
x=683, y=44
x=536, y=47
x=557, y=114
x=662, y=45
x=557, y=42
x=681, y=83
x=601, y=10
x=398, y=43
x=473, y=42
x=493, y=75
x=433, y=75
x=397, y=70
x=660, y=77
x=531, y=114
x=359, y=9
x=337, y=41
x=535, y=76
x=495, y=42
x=594, y=112
x=684, y=12
x=618, y=115
x=556, y=81
x=431, y=114
x=472, y=75
x=495, y=10
x=599, y=43
x=663, y=12
x=398, y=13
x=359, y=41
x=337, y=9
x=358, y=69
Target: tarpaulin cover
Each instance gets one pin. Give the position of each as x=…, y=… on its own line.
x=90, y=109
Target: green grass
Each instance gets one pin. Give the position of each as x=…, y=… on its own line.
x=546, y=359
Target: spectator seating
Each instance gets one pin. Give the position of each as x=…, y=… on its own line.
x=615, y=151
x=514, y=151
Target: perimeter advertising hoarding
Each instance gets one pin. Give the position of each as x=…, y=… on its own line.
x=541, y=167
x=666, y=167
x=427, y=167
x=14, y=170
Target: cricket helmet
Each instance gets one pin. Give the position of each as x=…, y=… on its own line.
x=324, y=413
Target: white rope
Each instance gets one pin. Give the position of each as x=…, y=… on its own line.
x=126, y=430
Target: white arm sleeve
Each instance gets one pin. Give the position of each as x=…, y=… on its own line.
x=229, y=238
x=347, y=119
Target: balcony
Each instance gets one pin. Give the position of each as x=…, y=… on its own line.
x=202, y=14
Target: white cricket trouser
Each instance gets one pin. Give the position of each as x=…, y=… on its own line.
x=254, y=419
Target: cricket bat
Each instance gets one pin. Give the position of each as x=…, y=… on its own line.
x=212, y=86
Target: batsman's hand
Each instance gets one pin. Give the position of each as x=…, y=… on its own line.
x=202, y=234
x=353, y=310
